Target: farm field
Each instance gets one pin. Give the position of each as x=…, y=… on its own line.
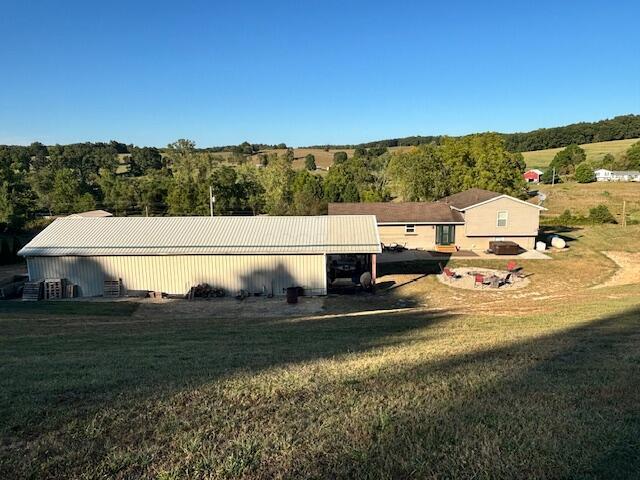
x=580, y=197
x=595, y=151
x=542, y=382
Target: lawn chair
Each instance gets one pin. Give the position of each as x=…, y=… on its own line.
x=506, y=280
x=515, y=271
x=478, y=280
x=449, y=274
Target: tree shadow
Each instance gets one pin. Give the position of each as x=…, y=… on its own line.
x=560, y=230
x=70, y=362
x=566, y=405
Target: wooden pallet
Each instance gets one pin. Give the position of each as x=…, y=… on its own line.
x=71, y=290
x=112, y=288
x=446, y=248
x=53, y=288
x=32, y=291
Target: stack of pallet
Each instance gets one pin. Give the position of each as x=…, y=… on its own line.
x=111, y=288
x=53, y=288
x=71, y=290
x=32, y=291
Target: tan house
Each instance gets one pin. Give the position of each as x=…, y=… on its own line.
x=468, y=220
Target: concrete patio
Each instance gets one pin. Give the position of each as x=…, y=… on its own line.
x=426, y=255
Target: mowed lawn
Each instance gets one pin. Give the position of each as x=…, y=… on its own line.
x=118, y=390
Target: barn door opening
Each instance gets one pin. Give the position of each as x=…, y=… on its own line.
x=345, y=272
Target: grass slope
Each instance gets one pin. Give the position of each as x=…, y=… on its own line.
x=579, y=198
x=536, y=384
x=594, y=151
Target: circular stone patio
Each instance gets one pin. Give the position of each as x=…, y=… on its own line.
x=466, y=279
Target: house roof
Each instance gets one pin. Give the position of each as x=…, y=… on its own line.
x=406, y=212
x=534, y=170
x=92, y=213
x=206, y=235
x=626, y=172
x=468, y=198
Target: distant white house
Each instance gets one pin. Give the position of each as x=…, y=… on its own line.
x=604, y=175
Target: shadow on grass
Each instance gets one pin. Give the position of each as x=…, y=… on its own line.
x=48, y=309
x=566, y=405
x=62, y=368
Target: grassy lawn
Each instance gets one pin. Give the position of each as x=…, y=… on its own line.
x=103, y=391
x=594, y=151
x=535, y=383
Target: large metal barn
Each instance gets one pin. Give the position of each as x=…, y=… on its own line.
x=171, y=254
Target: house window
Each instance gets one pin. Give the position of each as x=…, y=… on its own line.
x=409, y=229
x=502, y=219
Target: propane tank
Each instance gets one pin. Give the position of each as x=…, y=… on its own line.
x=558, y=242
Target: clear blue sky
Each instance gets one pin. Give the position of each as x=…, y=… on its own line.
x=310, y=72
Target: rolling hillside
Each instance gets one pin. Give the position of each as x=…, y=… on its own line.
x=580, y=197
x=595, y=151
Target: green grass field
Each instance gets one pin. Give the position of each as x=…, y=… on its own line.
x=595, y=151
x=540, y=383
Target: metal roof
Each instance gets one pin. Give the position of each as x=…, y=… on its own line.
x=206, y=235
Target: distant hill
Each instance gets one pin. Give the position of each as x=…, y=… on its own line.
x=617, y=128
x=595, y=151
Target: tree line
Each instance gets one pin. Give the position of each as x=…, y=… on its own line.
x=617, y=128
x=58, y=180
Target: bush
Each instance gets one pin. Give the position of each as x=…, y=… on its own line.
x=339, y=157
x=601, y=215
x=566, y=218
x=584, y=173
x=310, y=162
x=547, y=177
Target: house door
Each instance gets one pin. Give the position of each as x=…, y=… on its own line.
x=445, y=234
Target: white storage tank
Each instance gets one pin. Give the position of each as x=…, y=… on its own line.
x=558, y=242
x=541, y=246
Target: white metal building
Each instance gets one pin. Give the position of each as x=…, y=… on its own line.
x=604, y=175
x=172, y=254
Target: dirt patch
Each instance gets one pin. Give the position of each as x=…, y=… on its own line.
x=465, y=279
x=252, y=307
x=628, y=269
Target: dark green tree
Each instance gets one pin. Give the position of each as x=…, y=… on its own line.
x=144, y=159
x=632, y=157
x=339, y=157
x=584, y=173
x=310, y=162
x=308, y=194
x=566, y=160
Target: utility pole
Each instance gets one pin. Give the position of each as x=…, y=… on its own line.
x=624, y=213
x=212, y=200
x=146, y=210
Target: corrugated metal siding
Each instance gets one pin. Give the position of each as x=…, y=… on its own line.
x=206, y=235
x=176, y=274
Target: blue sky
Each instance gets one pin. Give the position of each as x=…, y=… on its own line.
x=310, y=72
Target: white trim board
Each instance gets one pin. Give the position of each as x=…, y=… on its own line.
x=498, y=198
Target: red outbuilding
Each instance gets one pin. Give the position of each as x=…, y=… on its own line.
x=532, y=176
